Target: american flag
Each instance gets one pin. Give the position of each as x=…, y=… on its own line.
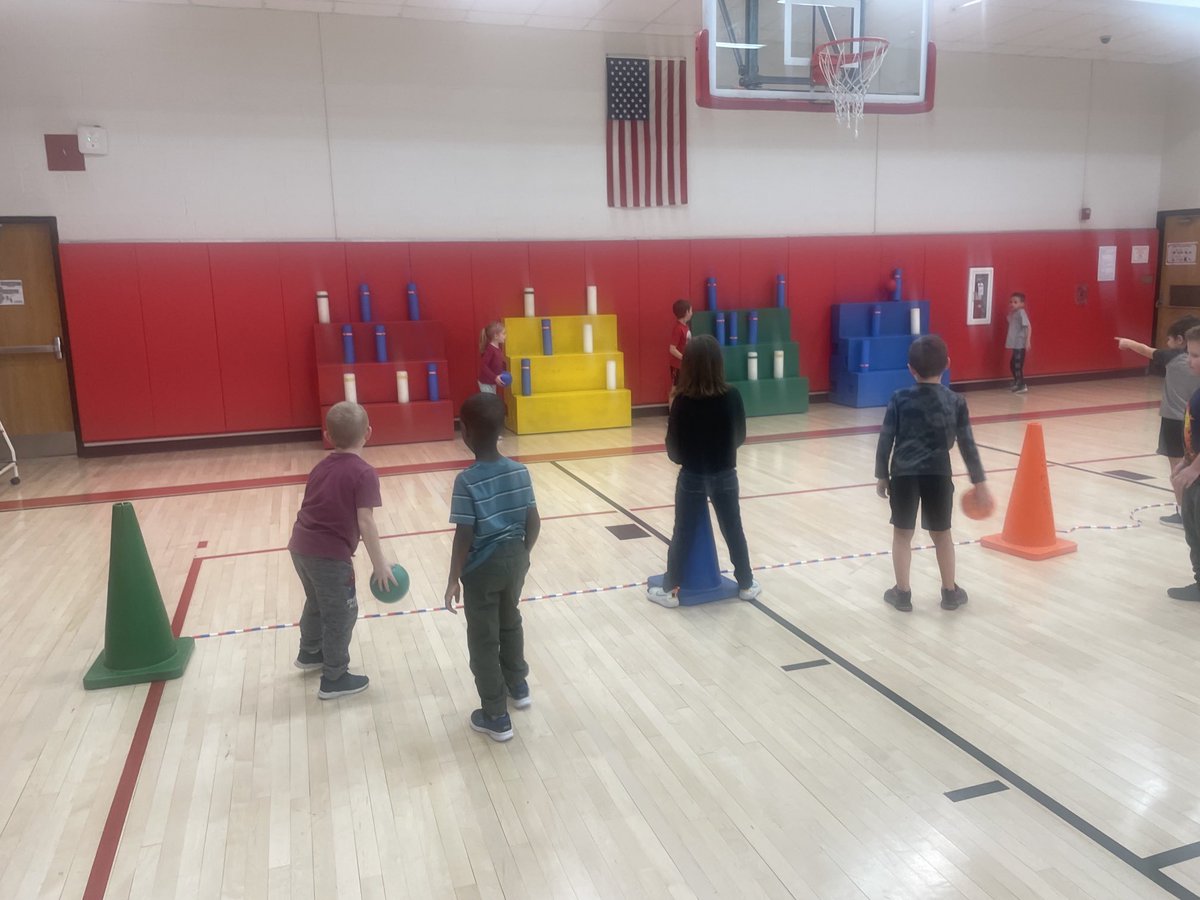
x=647, y=132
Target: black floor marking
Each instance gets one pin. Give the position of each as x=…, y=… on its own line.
x=613, y=503
x=627, y=532
x=811, y=664
x=976, y=790
x=1127, y=475
x=1147, y=867
x=1062, y=465
x=1143, y=866
x=1174, y=857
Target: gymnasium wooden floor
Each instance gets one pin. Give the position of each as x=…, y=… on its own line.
x=800, y=746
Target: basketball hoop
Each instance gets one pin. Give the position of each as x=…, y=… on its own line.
x=847, y=67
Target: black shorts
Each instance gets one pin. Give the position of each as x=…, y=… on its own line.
x=933, y=493
x=1170, y=438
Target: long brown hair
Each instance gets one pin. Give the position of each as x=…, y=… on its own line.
x=702, y=371
x=490, y=330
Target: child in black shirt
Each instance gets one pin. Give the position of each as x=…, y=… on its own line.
x=707, y=424
x=919, y=428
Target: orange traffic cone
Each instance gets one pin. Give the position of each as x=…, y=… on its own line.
x=1029, y=522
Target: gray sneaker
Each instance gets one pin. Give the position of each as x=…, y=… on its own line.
x=954, y=599
x=901, y=600
x=333, y=688
x=1175, y=520
x=1021, y=390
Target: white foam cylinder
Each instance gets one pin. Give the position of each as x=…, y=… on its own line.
x=350, y=387
x=914, y=320
x=587, y=337
x=610, y=375
x=591, y=300
x=778, y=363
x=323, y=307
x=529, y=302
x=752, y=366
x=402, y=386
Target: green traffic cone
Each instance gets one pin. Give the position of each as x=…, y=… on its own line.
x=138, y=644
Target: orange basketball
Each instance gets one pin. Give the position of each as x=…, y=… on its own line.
x=974, y=507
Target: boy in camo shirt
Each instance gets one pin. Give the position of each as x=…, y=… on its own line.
x=920, y=427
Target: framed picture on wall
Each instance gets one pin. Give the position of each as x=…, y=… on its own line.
x=979, y=297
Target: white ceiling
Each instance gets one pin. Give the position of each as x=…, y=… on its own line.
x=1161, y=31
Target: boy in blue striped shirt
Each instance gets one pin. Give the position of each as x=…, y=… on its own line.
x=494, y=508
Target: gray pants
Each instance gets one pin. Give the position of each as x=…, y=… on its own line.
x=495, y=639
x=330, y=610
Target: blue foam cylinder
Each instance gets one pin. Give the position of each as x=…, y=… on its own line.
x=898, y=274
x=526, y=379
x=731, y=324
x=380, y=344
x=876, y=320
x=414, y=306
x=864, y=360
x=547, y=339
x=431, y=376
x=710, y=293
x=364, y=302
x=780, y=291
x=720, y=326
x=752, y=328
x=348, y=345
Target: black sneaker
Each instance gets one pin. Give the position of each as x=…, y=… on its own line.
x=902, y=600
x=1191, y=592
x=1021, y=389
x=332, y=688
x=520, y=695
x=498, y=728
x=954, y=599
x=306, y=660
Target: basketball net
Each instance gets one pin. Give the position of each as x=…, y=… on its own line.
x=847, y=67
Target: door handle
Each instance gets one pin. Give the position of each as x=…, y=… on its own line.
x=54, y=347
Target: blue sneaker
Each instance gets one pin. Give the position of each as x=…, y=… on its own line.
x=520, y=695
x=498, y=728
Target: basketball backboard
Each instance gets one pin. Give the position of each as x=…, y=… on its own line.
x=759, y=54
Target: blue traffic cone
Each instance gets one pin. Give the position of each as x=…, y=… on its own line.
x=702, y=580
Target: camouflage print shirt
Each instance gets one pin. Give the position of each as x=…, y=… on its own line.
x=920, y=427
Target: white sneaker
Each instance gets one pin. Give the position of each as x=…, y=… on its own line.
x=751, y=592
x=657, y=595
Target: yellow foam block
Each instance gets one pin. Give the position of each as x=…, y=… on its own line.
x=569, y=411
x=568, y=372
x=566, y=334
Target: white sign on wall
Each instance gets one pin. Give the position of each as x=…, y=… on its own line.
x=1141, y=253
x=11, y=293
x=1106, y=264
x=1181, y=254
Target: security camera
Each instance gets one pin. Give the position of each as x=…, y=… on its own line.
x=1105, y=38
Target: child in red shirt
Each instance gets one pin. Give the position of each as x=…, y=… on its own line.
x=680, y=335
x=491, y=357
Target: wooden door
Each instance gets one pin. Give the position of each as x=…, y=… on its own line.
x=1179, y=273
x=35, y=395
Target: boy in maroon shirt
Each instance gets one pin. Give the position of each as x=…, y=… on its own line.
x=338, y=508
x=680, y=334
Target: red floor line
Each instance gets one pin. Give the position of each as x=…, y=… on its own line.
x=402, y=534
x=114, y=824
x=448, y=465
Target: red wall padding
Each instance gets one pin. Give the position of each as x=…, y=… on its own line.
x=181, y=339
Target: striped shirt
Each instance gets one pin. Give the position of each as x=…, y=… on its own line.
x=494, y=498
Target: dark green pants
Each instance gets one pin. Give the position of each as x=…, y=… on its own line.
x=495, y=640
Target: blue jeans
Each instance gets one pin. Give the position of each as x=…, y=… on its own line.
x=692, y=492
x=330, y=610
